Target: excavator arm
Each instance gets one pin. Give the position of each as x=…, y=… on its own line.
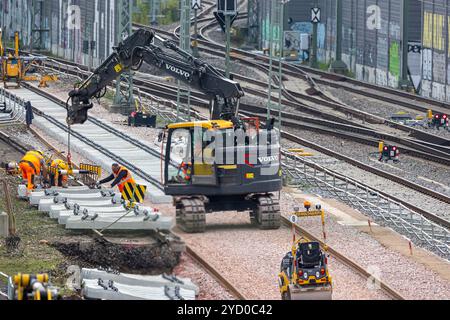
x=223, y=93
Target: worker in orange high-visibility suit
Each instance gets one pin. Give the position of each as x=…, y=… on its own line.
x=56, y=178
x=32, y=164
x=120, y=175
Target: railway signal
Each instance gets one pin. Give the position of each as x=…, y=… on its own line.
x=388, y=152
x=438, y=120
x=225, y=15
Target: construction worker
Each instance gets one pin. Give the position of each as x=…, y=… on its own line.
x=32, y=164
x=56, y=178
x=120, y=175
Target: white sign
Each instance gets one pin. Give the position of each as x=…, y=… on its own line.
x=315, y=15
x=293, y=218
x=196, y=4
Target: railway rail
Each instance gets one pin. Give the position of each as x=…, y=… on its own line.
x=354, y=133
x=354, y=266
x=349, y=130
x=14, y=143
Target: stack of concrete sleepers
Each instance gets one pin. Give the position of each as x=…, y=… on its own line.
x=99, y=284
x=84, y=208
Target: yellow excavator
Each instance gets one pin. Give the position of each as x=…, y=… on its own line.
x=14, y=67
x=304, y=271
x=226, y=163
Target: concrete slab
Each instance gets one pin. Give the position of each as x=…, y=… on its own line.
x=57, y=208
x=92, y=290
x=127, y=223
x=35, y=197
x=66, y=214
x=45, y=202
x=140, y=280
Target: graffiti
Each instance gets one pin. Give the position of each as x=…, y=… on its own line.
x=438, y=67
x=291, y=41
x=394, y=59
x=374, y=20
x=427, y=64
x=433, y=27
x=302, y=27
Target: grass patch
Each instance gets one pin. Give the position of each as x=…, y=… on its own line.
x=33, y=255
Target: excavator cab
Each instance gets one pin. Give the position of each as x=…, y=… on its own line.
x=209, y=167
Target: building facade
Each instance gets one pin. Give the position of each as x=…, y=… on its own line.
x=372, y=35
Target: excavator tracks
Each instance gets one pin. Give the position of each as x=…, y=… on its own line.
x=267, y=214
x=190, y=215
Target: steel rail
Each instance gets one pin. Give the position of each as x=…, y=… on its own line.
x=343, y=259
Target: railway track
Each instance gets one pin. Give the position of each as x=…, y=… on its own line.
x=418, y=140
x=208, y=268
x=332, y=125
x=260, y=62
x=387, y=94
x=350, y=132
x=216, y=274
x=343, y=259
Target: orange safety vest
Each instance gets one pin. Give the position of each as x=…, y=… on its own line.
x=59, y=164
x=33, y=160
x=127, y=178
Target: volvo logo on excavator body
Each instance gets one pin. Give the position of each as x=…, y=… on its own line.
x=178, y=71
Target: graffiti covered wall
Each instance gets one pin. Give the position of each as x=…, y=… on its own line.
x=435, y=50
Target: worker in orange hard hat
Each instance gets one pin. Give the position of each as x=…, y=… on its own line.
x=120, y=175
x=32, y=164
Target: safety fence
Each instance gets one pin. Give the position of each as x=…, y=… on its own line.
x=300, y=172
x=11, y=111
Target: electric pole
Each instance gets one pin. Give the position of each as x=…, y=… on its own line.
x=124, y=100
x=338, y=65
x=195, y=6
x=404, y=82
x=185, y=40
x=228, y=44
x=315, y=19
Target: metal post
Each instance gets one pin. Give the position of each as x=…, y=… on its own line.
x=195, y=41
x=228, y=45
x=313, y=56
x=338, y=65
x=185, y=39
x=124, y=100
x=271, y=47
x=280, y=63
x=90, y=53
x=404, y=82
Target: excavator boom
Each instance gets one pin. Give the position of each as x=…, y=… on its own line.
x=223, y=93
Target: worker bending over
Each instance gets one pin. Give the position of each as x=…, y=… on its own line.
x=32, y=164
x=56, y=178
x=120, y=175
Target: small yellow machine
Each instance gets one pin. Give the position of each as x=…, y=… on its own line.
x=15, y=67
x=11, y=64
x=31, y=287
x=304, y=270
